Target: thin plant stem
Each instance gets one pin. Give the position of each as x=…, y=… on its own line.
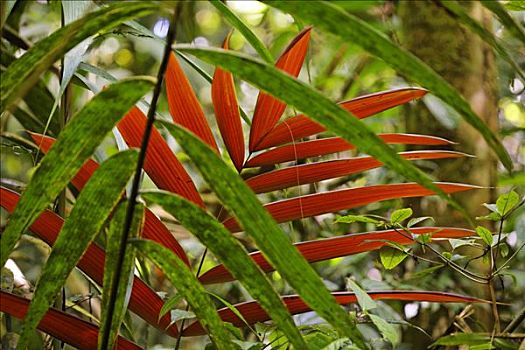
x=520, y=317
x=470, y=275
x=498, y=241
x=492, y=294
x=493, y=268
x=137, y=177
x=63, y=116
x=509, y=259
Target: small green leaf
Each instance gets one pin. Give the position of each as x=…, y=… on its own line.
x=485, y=235
x=486, y=346
x=169, y=304
x=427, y=271
x=493, y=216
x=386, y=329
x=249, y=345
x=391, y=257
x=456, y=243
x=414, y=221
x=177, y=315
x=425, y=238
x=397, y=246
x=471, y=339
x=341, y=344
x=363, y=299
x=504, y=249
x=349, y=219
x=506, y=202
x=447, y=255
x=491, y=207
x=400, y=215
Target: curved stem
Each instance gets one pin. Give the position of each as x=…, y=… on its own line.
x=466, y=273
x=137, y=177
x=515, y=322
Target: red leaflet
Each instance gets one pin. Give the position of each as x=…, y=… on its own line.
x=253, y=313
x=66, y=327
x=330, y=202
x=308, y=173
x=321, y=147
x=329, y=248
x=161, y=164
x=44, y=143
x=363, y=106
x=154, y=229
x=143, y=301
x=268, y=110
x=227, y=113
x=184, y=107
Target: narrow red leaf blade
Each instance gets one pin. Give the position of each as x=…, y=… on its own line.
x=143, y=301
x=253, y=313
x=161, y=164
x=363, y=106
x=268, y=110
x=154, y=229
x=335, y=247
x=334, y=201
x=66, y=327
x=227, y=113
x=309, y=173
x=322, y=147
x=184, y=106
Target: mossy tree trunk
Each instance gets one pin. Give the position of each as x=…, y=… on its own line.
x=464, y=60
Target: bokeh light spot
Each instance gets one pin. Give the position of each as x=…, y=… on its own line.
x=161, y=27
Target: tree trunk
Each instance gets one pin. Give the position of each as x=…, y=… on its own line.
x=465, y=61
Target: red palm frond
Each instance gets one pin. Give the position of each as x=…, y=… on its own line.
x=309, y=173
x=161, y=164
x=331, y=202
x=363, y=106
x=183, y=104
x=253, y=313
x=66, y=327
x=227, y=113
x=335, y=247
x=154, y=229
x=268, y=109
x=329, y=145
x=143, y=300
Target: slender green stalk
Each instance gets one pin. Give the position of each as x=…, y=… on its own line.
x=468, y=274
x=137, y=177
